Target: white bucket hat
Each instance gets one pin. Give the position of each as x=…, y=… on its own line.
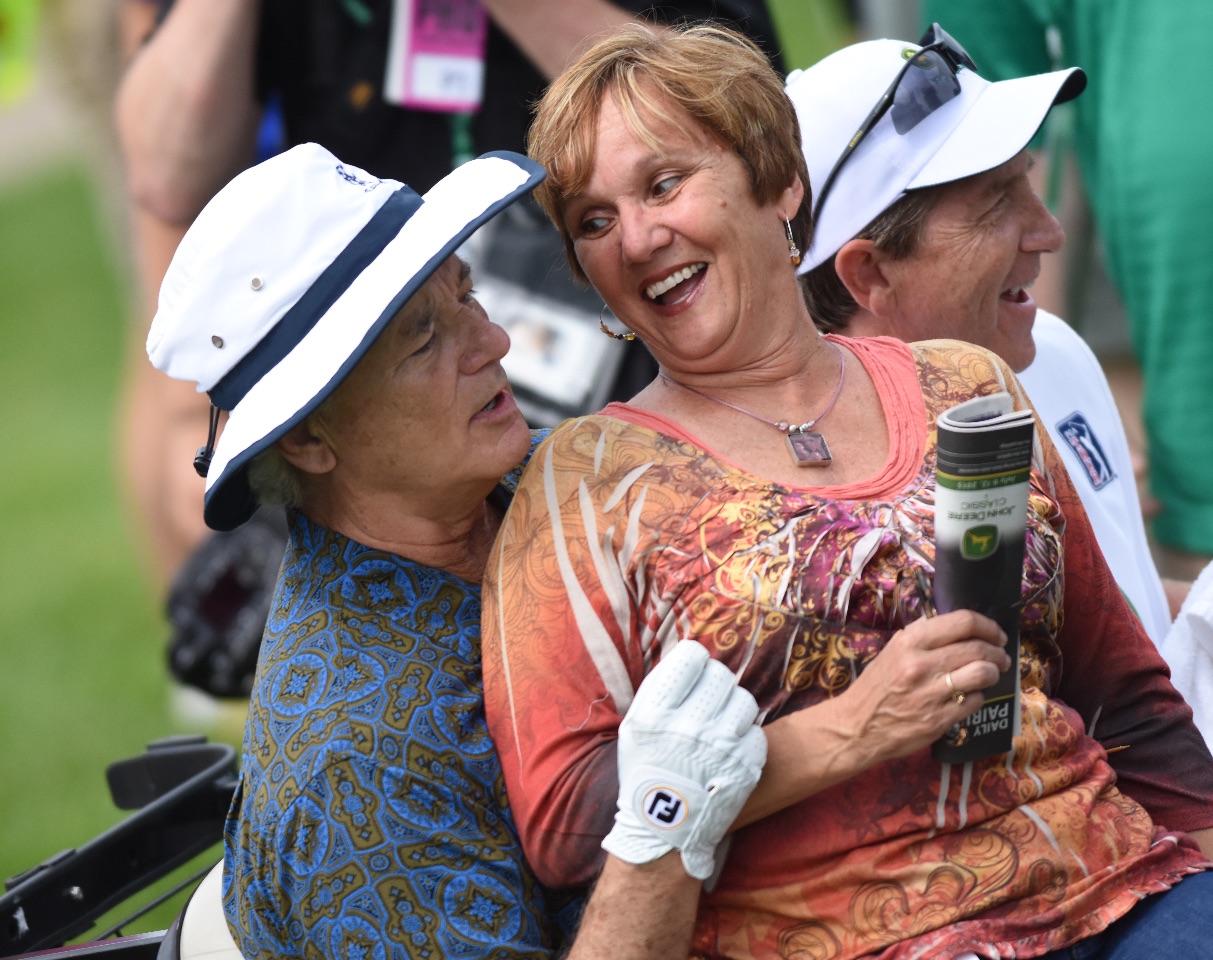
x=286, y=278
x=985, y=125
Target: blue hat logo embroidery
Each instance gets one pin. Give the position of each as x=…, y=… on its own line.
x=369, y=184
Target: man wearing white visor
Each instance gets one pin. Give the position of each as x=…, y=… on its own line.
x=926, y=226
x=326, y=311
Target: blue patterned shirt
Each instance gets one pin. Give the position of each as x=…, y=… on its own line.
x=371, y=820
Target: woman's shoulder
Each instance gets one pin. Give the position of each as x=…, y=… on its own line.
x=944, y=372
x=926, y=360
x=952, y=371
x=618, y=450
x=953, y=353
x=633, y=431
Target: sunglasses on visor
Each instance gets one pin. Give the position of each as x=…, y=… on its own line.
x=924, y=84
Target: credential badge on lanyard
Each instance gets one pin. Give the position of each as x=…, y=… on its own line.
x=436, y=57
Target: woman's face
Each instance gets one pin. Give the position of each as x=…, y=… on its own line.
x=676, y=245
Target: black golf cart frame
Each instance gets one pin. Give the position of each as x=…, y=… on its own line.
x=181, y=788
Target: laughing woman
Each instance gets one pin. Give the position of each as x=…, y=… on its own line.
x=762, y=496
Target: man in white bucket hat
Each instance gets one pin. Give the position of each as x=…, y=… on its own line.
x=327, y=313
x=926, y=226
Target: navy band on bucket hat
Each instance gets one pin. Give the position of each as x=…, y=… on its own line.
x=286, y=278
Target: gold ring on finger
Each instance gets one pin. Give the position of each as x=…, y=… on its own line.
x=957, y=695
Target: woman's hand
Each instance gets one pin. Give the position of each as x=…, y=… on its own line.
x=900, y=703
x=903, y=700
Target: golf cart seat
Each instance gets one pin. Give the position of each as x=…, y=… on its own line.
x=200, y=931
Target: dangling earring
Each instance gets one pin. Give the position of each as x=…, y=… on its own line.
x=608, y=331
x=793, y=250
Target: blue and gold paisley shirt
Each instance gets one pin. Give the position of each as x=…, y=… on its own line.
x=371, y=819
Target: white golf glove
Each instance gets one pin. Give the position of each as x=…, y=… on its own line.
x=689, y=755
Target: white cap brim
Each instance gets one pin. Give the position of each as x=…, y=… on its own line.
x=984, y=126
x=1000, y=124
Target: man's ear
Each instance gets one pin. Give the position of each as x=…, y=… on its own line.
x=864, y=270
x=306, y=447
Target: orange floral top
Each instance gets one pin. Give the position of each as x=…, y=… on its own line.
x=626, y=534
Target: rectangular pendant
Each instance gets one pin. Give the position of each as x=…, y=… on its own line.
x=809, y=449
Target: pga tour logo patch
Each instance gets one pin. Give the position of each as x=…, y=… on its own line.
x=1085, y=446
x=665, y=808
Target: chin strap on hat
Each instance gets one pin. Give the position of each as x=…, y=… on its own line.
x=202, y=459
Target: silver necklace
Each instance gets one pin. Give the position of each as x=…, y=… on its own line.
x=808, y=449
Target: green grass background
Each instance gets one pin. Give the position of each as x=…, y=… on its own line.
x=82, y=678
x=811, y=29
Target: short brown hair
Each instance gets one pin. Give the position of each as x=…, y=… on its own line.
x=717, y=75
x=897, y=232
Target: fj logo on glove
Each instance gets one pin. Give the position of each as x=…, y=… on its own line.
x=664, y=808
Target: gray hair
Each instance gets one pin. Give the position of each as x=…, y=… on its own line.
x=273, y=480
